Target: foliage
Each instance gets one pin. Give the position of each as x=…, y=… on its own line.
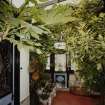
x=29, y=26
x=83, y=27
x=86, y=42
x=21, y=31
x=85, y=39
x=57, y=15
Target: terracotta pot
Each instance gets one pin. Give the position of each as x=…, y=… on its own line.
x=35, y=76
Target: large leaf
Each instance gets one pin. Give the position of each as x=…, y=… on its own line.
x=60, y=14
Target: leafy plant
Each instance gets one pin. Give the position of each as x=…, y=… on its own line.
x=18, y=27
x=85, y=41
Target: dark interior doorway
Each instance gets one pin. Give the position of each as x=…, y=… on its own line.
x=6, y=68
x=9, y=74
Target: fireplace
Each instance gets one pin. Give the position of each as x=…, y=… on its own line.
x=60, y=79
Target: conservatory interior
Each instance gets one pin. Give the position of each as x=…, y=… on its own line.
x=52, y=52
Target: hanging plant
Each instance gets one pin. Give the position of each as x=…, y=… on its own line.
x=35, y=76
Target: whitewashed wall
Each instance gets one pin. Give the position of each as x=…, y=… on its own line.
x=24, y=74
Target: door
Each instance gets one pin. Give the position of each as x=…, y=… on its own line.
x=24, y=74
x=9, y=74
x=6, y=73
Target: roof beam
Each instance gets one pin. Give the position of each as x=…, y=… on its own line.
x=48, y=3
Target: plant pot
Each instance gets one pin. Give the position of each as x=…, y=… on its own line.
x=50, y=100
x=35, y=76
x=44, y=102
x=79, y=91
x=39, y=91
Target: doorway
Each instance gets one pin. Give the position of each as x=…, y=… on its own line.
x=9, y=74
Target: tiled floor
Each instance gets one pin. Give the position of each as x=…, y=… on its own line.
x=65, y=98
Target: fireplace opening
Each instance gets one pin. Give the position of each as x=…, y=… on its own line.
x=60, y=79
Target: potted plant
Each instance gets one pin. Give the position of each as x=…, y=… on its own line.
x=44, y=97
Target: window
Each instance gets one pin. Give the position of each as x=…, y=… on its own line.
x=60, y=62
x=48, y=62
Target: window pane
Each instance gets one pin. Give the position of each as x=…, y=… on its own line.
x=60, y=62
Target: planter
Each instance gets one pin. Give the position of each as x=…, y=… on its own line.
x=35, y=76
x=50, y=100
x=44, y=102
x=39, y=91
x=79, y=91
